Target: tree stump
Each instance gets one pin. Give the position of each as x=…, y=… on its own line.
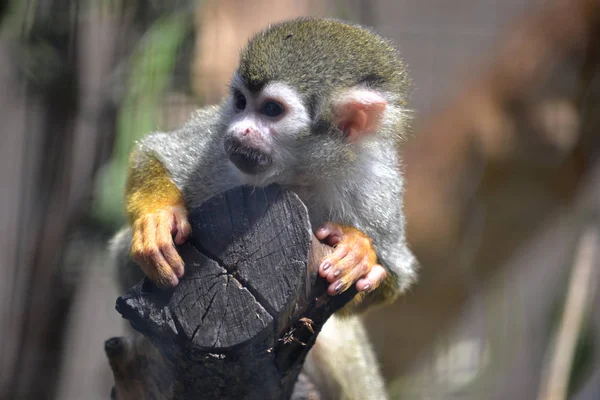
x=244, y=316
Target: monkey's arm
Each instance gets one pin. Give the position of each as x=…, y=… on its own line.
x=156, y=210
x=371, y=249
x=168, y=173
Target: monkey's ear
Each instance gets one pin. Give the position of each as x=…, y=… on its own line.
x=359, y=112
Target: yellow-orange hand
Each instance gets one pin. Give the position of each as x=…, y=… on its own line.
x=353, y=260
x=153, y=245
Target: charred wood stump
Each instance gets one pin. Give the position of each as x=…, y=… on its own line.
x=244, y=316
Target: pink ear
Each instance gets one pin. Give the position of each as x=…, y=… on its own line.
x=358, y=112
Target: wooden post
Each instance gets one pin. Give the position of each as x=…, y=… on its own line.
x=244, y=316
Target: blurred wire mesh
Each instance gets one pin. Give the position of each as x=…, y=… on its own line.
x=502, y=181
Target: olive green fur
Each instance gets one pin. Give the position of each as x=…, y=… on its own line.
x=320, y=56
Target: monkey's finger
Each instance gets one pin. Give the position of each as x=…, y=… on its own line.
x=165, y=244
x=159, y=272
x=329, y=233
x=182, y=227
x=332, y=259
x=372, y=280
x=149, y=256
x=349, y=276
x=328, y=229
x=353, y=263
x=138, y=246
x=154, y=264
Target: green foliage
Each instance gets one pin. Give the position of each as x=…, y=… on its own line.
x=584, y=357
x=152, y=65
x=17, y=20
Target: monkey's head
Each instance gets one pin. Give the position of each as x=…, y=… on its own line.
x=308, y=95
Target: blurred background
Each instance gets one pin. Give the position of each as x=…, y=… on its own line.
x=502, y=195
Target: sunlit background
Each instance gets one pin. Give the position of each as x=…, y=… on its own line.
x=502, y=197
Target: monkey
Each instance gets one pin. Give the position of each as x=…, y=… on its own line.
x=318, y=106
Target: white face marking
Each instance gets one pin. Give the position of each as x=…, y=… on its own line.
x=296, y=115
x=293, y=119
x=252, y=124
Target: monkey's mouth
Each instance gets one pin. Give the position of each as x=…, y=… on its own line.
x=247, y=159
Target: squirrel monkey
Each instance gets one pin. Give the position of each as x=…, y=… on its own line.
x=317, y=106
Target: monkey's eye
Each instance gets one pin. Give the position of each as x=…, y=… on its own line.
x=240, y=101
x=272, y=109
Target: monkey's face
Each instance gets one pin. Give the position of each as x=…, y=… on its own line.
x=262, y=129
x=271, y=137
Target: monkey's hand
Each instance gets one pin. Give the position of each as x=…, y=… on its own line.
x=153, y=244
x=352, y=262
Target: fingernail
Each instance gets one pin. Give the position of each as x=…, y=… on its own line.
x=326, y=265
x=338, y=287
x=367, y=288
x=337, y=273
x=170, y=283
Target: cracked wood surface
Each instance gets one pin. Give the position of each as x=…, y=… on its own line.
x=242, y=319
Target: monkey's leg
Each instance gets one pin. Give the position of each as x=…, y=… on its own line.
x=342, y=363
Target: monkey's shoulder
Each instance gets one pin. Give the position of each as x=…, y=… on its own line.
x=202, y=124
x=205, y=117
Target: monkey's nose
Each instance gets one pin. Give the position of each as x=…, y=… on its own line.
x=250, y=133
